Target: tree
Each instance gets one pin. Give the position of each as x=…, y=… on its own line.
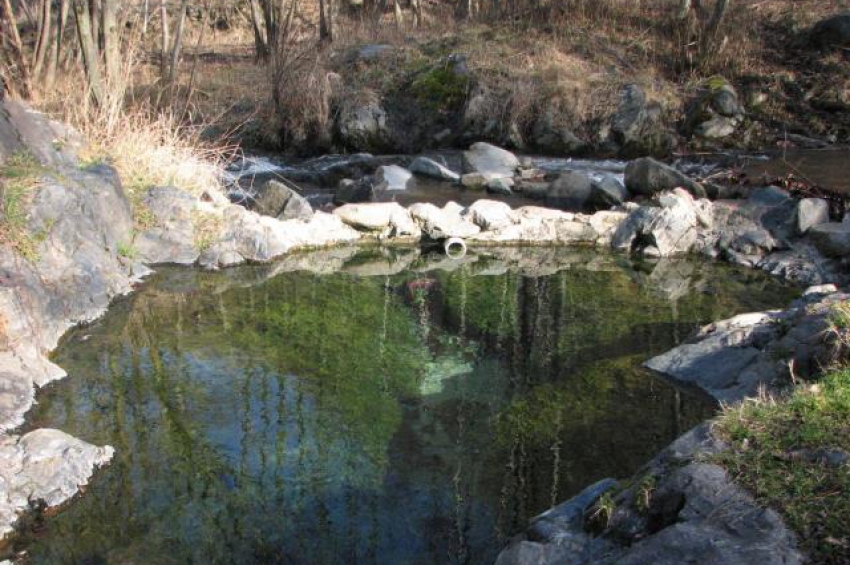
x=88, y=47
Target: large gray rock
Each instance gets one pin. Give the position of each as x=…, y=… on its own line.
x=551, y=136
x=44, y=464
x=442, y=223
x=666, y=230
x=715, y=112
x=388, y=219
x=490, y=161
x=490, y=214
x=637, y=127
x=362, y=124
x=832, y=239
x=279, y=201
x=811, y=212
x=646, y=176
x=392, y=177
x=607, y=192
x=23, y=130
x=430, y=168
x=570, y=191
x=832, y=32
x=171, y=238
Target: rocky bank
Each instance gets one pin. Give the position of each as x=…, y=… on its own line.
x=90, y=250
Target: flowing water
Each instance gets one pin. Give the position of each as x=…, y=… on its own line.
x=270, y=414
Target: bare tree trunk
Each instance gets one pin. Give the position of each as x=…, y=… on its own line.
x=163, y=15
x=416, y=6
x=684, y=10
x=178, y=42
x=323, y=22
x=43, y=43
x=57, y=45
x=145, y=17
x=109, y=25
x=17, y=56
x=261, y=43
x=399, y=20
x=91, y=62
x=717, y=18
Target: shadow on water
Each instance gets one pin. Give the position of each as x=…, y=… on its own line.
x=262, y=416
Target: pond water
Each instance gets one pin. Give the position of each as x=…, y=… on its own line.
x=270, y=414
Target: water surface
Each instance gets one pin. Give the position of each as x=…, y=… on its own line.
x=372, y=407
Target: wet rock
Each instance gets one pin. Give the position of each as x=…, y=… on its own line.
x=474, y=181
x=607, y=192
x=44, y=464
x=831, y=32
x=570, y=191
x=392, y=177
x=500, y=186
x=354, y=191
x=442, y=223
x=490, y=161
x=430, y=168
x=811, y=212
x=278, y=200
x=646, y=176
x=831, y=239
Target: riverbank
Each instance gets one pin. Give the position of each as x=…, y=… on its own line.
x=88, y=248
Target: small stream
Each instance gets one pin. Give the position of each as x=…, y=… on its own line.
x=267, y=414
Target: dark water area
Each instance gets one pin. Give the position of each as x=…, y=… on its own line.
x=265, y=415
x=825, y=168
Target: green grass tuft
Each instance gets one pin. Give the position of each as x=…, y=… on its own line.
x=767, y=437
x=20, y=175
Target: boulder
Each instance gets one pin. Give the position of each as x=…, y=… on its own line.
x=442, y=223
x=811, y=212
x=553, y=137
x=490, y=161
x=646, y=176
x=279, y=201
x=637, y=127
x=392, y=177
x=430, y=168
x=606, y=192
x=666, y=230
x=171, y=237
x=570, y=191
x=715, y=112
x=388, y=218
x=831, y=32
x=490, y=214
x=362, y=124
x=831, y=239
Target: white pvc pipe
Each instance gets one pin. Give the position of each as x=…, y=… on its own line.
x=455, y=248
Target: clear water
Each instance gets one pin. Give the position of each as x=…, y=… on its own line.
x=262, y=416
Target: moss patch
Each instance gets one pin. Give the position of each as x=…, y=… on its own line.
x=440, y=88
x=778, y=449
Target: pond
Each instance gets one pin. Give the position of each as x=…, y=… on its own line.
x=370, y=407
